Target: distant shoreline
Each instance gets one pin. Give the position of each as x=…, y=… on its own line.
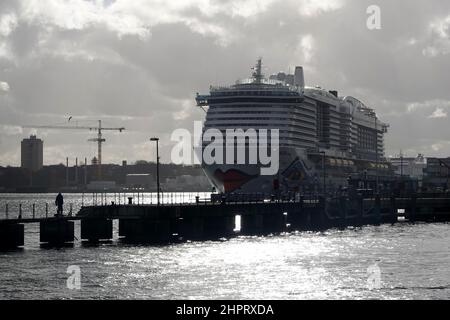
x=98, y=191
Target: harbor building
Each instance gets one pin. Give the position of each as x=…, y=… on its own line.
x=409, y=166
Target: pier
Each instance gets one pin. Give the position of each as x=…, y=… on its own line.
x=206, y=220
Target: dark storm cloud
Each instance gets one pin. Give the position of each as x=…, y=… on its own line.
x=139, y=64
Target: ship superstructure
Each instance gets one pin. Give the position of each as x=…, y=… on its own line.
x=324, y=139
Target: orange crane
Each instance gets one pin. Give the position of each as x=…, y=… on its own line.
x=99, y=138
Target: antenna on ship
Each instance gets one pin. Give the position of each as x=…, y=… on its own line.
x=257, y=74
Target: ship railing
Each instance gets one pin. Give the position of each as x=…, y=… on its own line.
x=256, y=87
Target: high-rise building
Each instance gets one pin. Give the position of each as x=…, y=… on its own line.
x=32, y=150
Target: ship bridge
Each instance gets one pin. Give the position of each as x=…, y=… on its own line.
x=202, y=100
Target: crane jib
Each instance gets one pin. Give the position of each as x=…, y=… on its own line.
x=99, y=139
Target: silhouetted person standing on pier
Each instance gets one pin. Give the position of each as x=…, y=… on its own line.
x=59, y=203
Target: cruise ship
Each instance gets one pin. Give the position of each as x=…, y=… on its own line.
x=325, y=140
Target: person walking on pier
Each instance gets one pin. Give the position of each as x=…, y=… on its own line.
x=59, y=203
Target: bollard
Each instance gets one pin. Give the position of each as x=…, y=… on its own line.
x=82, y=200
x=20, y=211
x=34, y=210
x=46, y=210
x=6, y=211
x=70, y=209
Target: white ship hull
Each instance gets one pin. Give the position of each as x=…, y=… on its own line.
x=295, y=172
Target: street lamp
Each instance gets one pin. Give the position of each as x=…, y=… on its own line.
x=376, y=154
x=323, y=171
x=157, y=166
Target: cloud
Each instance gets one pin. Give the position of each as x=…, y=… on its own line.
x=306, y=47
x=4, y=87
x=439, y=31
x=438, y=113
x=140, y=16
x=10, y=130
x=315, y=7
x=138, y=64
x=435, y=104
x=8, y=22
x=441, y=146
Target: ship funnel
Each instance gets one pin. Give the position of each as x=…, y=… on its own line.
x=299, y=79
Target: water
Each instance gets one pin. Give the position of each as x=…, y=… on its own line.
x=414, y=263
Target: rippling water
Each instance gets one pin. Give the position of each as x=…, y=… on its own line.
x=414, y=261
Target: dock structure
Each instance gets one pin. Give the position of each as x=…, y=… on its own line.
x=166, y=223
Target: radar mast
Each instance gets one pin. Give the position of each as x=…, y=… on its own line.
x=257, y=73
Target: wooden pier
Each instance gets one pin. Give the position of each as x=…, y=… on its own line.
x=206, y=220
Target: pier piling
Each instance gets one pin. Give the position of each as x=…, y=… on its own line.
x=251, y=224
x=94, y=230
x=56, y=231
x=198, y=220
x=11, y=235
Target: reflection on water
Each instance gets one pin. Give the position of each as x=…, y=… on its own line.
x=414, y=261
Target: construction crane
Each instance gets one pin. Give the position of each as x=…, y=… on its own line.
x=99, y=138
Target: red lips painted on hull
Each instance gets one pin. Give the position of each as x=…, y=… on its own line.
x=232, y=179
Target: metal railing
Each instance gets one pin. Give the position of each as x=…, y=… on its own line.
x=31, y=211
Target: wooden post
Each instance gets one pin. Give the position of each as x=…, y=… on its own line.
x=393, y=210
x=412, y=216
x=361, y=210
x=377, y=209
x=343, y=207
x=322, y=212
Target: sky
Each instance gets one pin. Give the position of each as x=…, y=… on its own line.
x=138, y=64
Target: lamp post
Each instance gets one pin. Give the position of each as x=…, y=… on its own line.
x=157, y=166
x=376, y=154
x=323, y=171
x=443, y=164
x=401, y=165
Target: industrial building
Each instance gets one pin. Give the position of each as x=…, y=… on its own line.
x=409, y=166
x=437, y=173
x=140, y=181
